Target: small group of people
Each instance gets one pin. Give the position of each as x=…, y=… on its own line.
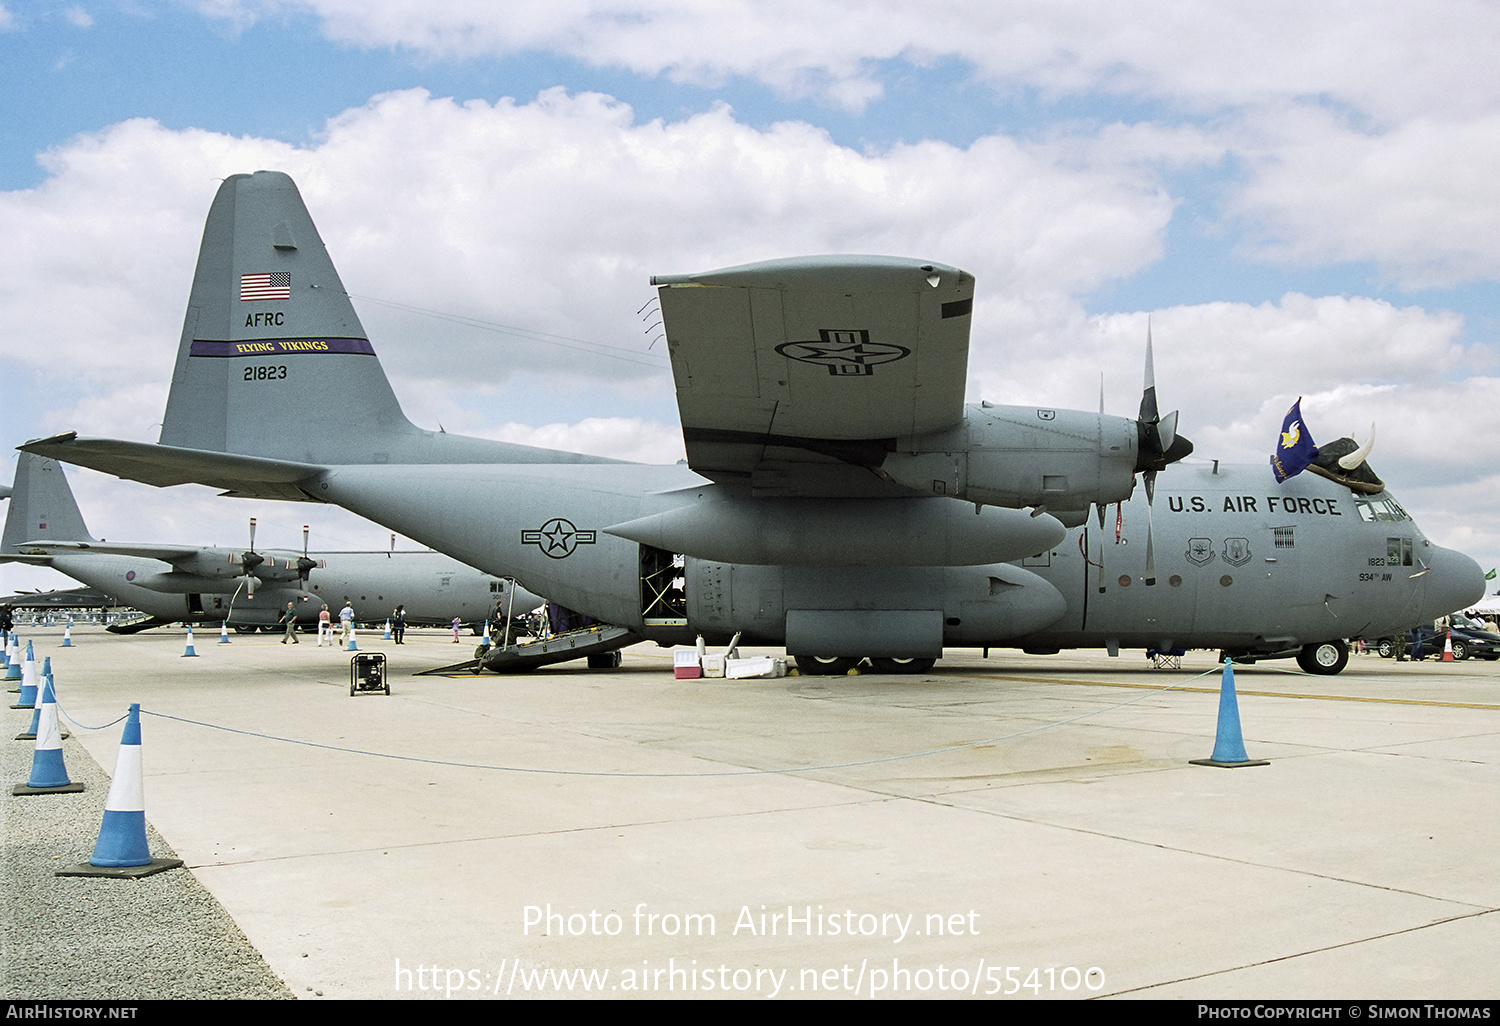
x=325, y=624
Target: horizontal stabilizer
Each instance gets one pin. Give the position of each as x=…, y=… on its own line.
x=164, y=465
x=165, y=553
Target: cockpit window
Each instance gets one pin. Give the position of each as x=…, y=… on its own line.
x=1398, y=551
x=1385, y=510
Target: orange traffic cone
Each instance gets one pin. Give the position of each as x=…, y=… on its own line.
x=1448, y=647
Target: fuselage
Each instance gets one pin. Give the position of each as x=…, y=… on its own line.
x=1242, y=563
x=433, y=588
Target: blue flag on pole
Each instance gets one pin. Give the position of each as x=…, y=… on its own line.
x=1294, y=447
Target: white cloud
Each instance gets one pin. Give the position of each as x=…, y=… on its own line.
x=1386, y=57
x=1367, y=130
x=550, y=215
x=78, y=17
x=1422, y=200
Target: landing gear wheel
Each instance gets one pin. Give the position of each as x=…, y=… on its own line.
x=901, y=664
x=826, y=666
x=1324, y=659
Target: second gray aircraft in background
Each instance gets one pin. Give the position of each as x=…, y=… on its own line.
x=245, y=588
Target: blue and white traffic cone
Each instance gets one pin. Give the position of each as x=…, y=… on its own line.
x=486, y=639
x=122, y=834
x=29, y=679
x=48, y=774
x=224, y=633
x=1229, y=742
x=36, y=710
x=387, y=635
x=353, y=646
x=68, y=634
x=189, y=651
x=13, y=659
x=122, y=849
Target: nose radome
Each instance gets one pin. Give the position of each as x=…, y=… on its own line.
x=1453, y=581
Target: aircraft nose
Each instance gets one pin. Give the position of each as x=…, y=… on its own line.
x=1454, y=581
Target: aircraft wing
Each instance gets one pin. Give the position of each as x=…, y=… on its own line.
x=165, y=553
x=815, y=359
x=163, y=465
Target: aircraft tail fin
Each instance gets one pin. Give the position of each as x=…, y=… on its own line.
x=273, y=359
x=42, y=506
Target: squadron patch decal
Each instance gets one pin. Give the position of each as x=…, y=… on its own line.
x=1236, y=551
x=1200, y=551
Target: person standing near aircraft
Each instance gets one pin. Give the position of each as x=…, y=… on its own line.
x=290, y=619
x=325, y=626
x=457, y=623
x=398, y=624
x=346, y=620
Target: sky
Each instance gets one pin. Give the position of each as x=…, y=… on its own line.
x=1301, y=200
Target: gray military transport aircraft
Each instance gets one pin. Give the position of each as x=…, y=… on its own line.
x=839, y=497
x=245, y=588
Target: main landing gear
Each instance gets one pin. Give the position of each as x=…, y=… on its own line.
x=824, y=666
x=1324, y=659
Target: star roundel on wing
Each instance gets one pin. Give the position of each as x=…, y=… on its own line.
x=557, y=538
x=845, y=352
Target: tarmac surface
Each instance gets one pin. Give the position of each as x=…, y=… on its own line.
x=1010, y=827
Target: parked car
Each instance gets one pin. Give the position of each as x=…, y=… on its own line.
x=1470, y=638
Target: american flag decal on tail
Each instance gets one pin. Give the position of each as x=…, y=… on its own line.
x=265, y=286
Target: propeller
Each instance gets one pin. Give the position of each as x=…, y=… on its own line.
x=249, y=560
x=305, y=566
x=1159, y=446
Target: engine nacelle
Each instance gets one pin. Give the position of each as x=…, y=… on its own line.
x=1063, y=460
x=844, y=532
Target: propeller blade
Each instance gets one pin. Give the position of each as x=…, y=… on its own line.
x=1166, y=432
x=1100, y=507
x=1150, y=477
x=251, y=559
x=1149, y=413
x=1157, y=439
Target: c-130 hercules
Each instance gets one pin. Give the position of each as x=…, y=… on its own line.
x=839, y=498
